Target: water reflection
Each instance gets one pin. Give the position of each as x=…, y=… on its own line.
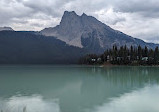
x=78, y=89
x=34, y=103
x=144, y=100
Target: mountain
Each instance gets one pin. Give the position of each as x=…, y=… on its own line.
x=6, y=29
x=89, y=33
x=74, y=37
x=19, y=47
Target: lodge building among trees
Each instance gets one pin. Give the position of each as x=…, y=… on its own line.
x=124, y=56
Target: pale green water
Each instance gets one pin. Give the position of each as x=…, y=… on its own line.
x=79, y=89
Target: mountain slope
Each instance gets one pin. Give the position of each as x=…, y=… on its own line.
x=32, y=48
x=6, y=29
x=89, y=33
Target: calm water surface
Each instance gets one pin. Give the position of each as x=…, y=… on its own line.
x=79, y=89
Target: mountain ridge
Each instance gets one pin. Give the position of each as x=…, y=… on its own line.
x=88, y=32
x=6, y=29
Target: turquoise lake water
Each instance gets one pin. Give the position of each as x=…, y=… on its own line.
x=79, y=89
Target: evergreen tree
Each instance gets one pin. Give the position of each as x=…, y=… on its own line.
x=132, y=53
x=139, y=52
x=145, y=52
x=125, y=56
x=156, y=55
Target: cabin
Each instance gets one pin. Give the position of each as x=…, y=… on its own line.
x=93, y=60
x=99, y=59
x=145, y=58
x=137, y=57
x=120, y=58
x=129, y=58
x=109, y=58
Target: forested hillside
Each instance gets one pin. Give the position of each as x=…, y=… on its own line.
x=33, y=48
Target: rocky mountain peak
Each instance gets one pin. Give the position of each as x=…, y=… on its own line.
x=87, y=32
x=69, y=17
x=74, y=27
x=69, y=13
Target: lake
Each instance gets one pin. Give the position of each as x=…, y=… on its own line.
x=79, y=89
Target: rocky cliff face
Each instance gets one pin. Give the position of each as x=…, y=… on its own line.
x=87, y=32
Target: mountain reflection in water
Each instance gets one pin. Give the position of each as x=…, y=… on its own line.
x=79, y=89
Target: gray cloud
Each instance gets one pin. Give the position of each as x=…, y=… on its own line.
x=147, y=8
x=139, y=18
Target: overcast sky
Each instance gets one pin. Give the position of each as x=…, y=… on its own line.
x=138, y=18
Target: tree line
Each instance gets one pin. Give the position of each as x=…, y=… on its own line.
x=124, y=56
